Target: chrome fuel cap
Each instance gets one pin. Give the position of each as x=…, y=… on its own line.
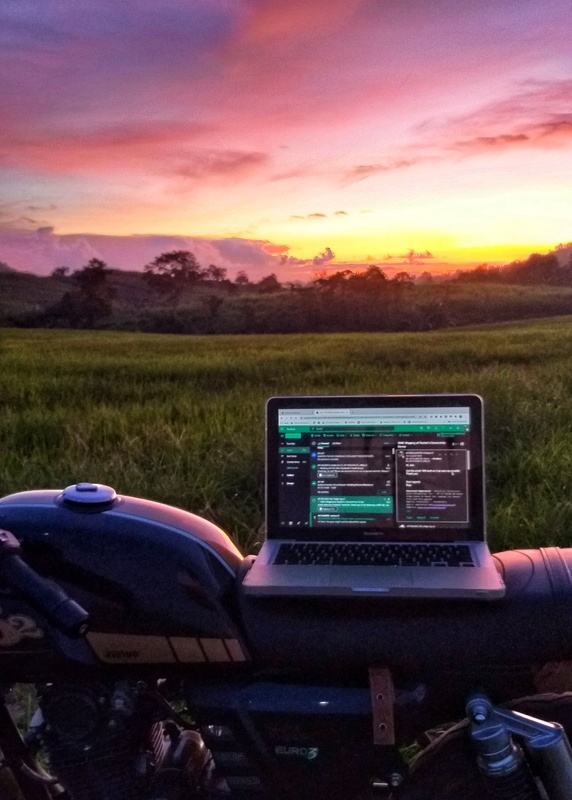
x=92, y=494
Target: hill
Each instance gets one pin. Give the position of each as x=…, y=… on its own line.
x=338, y=301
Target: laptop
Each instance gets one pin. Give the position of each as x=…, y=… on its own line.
x=375, y=496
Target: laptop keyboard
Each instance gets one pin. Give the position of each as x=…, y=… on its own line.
x=386, y=555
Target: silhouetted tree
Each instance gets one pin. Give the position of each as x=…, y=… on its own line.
x=537, y=269
x=483, y=273
x=174, y=272
x=375, y=275
x=565, y=273
x=242, y=278
x=338, y=280
x=372, y=279
x=214, y=273
x=269, y=284
x=95, y=295
x=90, y=302
x=402, y=277
x=60, y=272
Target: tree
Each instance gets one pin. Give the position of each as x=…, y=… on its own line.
x=242, y=278
x=338, y=280
x=482, y=273
x=375, y=275
x=60, y=272
x=95, y=295
x=372, y=279
x=402, y=277
x=91, y=301
x=401, y=285
x=269, y=284
x=174, y=272
x=537, y=269
x=214, y=273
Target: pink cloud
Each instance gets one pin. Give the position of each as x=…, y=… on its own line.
x=157, y=149
x=41, y=250
x=551, y=133
x=363, y=171
x=534, y=117
x=526, y=115
x=482, y=144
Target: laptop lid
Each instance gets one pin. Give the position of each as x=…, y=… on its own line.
x=374, y=468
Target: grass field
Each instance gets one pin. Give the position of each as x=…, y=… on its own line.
x=179, y=419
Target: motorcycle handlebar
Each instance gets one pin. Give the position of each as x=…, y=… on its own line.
x=49, y=599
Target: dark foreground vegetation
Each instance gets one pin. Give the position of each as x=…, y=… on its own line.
x=176, y=295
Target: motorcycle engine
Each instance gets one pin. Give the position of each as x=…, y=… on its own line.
x=117, y=743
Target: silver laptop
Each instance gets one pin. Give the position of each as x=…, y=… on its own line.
x=375, y=496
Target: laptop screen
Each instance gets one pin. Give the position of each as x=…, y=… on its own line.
x=365, y=468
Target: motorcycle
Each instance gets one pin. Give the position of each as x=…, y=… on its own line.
x=158, y=679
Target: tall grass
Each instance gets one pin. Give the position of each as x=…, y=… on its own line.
x=181, y=419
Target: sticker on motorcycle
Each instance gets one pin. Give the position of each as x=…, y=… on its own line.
x=120, y=648
x=307, y=753
x=116, y=648
x=17, y=627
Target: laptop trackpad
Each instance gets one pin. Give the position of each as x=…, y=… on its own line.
x=367, y=579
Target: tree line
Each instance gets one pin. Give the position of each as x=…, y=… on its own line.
x=182, y=296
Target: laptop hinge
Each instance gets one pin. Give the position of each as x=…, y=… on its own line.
x=382, y=702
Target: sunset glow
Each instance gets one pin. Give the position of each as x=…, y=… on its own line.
x=285, y=137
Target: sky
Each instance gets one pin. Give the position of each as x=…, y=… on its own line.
x=286, y=137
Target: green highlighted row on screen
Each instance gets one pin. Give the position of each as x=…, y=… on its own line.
x=368, y=504
x=295, y=431
x=294, y=449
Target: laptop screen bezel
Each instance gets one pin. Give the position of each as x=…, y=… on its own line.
x=475, y=531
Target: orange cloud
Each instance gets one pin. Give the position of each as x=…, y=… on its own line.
x=156, y=149
x=410, y=257
x=556, y=133
x=315, y=215
x=363, y=171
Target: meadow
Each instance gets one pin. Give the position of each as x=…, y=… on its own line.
x=179, y=419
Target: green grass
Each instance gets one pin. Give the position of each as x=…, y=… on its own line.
x=179, y=419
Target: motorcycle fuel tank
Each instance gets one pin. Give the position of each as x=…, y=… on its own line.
x=158, y=584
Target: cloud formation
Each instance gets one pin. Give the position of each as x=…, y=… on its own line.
x=363, y=171
x=550, y=133
x=207, y=118
x=157, y=148
x=317, y=215
x=42, y=250
x=306, y=265
x=410, y=257
x=534, y=116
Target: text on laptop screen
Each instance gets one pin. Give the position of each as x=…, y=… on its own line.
x=375, y=470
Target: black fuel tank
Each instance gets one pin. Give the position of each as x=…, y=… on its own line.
x=158, y=582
